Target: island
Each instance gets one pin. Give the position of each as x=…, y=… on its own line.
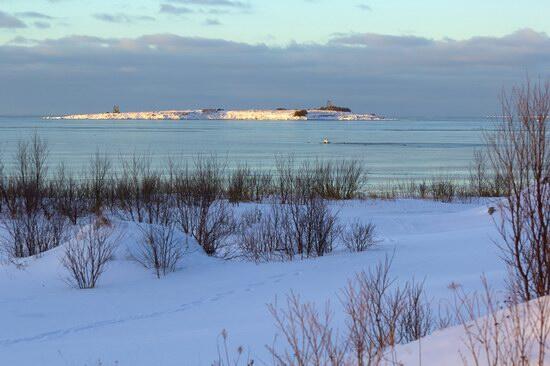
x=328, y=112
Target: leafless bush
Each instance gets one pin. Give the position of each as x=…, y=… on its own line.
x=29, y=179
x=31, y=224
x=3, y=182
x=98, y=180
x=68, y=195
x=285, y=178
x=212, y=225
x=483, y=182
x=373, y=310
x=201, y=209
x=416, y=320
x=308, y=335
x=497, y=335
x=329, y=180
x=379, y=316
x=311, y=226
x=206, y=180
x=261, y=238
x=519, y=151
x=87, y=255
x=224, y=357
x=248, y=185
x=443, y=189
x=359, y=237
x=31, y=233
x=288, y=230
x=140, y=193
x=159, y=248
x=338, y=180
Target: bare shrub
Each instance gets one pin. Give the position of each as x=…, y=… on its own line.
x=206, y=180
x=497, y=335
x=261, y=238
x=158, y=249
x=359, y=237
x=338, y=180
x=308, y=335
x=443, y=189
x=373, y=309
x=330, y=180
x=478, y=173
x=240, y=185
x=381, y=314
x=185, y=202
x=212, y=225
x=98, y=178
x=288, y=230
x=311, y=226
x=31, y=169
x=224, y=357
x=140, y=193
x=519, y=151
x=68, y=195
x=31, y=224
x=3, y=182
x=248, y=185
x=483, y=181
x=32, y=233
x=202, y=211
x=416, y=320
x=87, y=255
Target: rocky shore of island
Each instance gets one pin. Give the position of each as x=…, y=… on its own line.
x=333, y=114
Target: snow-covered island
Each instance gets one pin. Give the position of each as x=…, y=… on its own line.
x=218, y=114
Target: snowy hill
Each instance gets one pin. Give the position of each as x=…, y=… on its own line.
x=132, y=318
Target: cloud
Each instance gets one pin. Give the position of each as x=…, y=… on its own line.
x=380, y=40
x=215, y=3
x=393, y=75
x=364, y=7
x=9, y=21
x=34, y=15
x=212, y=22
x=122, y=18
x=171, y=9
x=41, y=25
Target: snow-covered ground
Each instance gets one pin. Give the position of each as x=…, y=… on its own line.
x=252, y=114
x=132, y=318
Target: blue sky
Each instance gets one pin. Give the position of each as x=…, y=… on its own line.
x=394, y=56
x=277, y=22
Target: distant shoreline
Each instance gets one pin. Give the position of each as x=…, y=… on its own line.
x=236, y=115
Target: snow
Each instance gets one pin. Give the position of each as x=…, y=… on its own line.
x=448, y=344
x=132, y=318
x=199, y=114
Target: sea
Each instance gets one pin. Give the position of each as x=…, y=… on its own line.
x=390, y=150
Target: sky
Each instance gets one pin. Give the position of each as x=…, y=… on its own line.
x=394, y=57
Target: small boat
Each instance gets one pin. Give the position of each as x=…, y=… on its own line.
x=326, y=141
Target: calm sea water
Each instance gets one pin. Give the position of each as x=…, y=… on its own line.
x=402, y=149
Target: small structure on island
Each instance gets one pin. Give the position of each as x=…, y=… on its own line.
x=116, y=108
x=334, y=108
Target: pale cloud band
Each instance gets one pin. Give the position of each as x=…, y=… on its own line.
x=401, y=75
